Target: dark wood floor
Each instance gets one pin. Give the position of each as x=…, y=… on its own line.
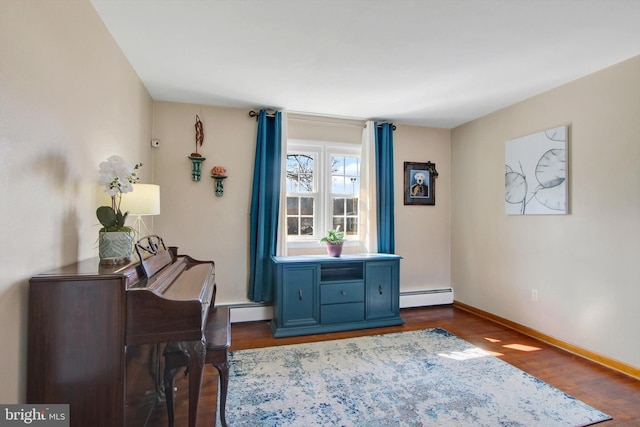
x=609, y=391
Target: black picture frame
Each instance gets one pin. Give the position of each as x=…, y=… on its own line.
x=419, y=183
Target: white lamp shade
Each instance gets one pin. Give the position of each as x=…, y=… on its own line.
x=143, y=200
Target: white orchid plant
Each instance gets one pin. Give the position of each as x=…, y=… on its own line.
x=117, y=177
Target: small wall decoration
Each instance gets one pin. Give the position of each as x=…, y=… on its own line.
x=536, y=173
x=219, y=173
x=199, y=135
x=195, y=157
x=419, y=183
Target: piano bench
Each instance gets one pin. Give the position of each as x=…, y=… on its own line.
x=218, y=336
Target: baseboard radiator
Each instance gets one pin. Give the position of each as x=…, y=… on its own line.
x=251, y=312
x=423, y=298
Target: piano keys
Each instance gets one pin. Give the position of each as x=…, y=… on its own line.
x=88, y=323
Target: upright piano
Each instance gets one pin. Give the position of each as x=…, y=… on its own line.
x=95, y=331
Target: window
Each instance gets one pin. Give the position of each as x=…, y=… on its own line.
x=323, y=186
x=345, y=187
x=302, y=194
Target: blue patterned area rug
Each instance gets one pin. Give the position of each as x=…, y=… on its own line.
x=419, y=378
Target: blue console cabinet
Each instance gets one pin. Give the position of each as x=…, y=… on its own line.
x=318, y=293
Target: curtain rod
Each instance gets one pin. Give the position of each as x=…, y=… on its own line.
x=271, y=115
x=256, y=113
x=393, y=127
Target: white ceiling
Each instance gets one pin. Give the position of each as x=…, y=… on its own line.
x=434, y=63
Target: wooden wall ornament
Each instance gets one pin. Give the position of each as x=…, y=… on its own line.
x=199, y=135
x=196, y=158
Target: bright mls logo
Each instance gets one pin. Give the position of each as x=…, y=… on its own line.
x=37, y=415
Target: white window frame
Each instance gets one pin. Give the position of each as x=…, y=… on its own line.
x=324, y=150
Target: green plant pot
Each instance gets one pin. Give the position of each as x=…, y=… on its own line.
x=115, y=247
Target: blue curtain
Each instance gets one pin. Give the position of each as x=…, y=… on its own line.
x=265, y=204
x=384, y=190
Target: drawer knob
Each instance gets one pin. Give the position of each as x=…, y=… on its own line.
x=343, y=292
x=380, y=289
x=300, y=294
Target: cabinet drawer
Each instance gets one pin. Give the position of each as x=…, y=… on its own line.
x=341, y=313
x=342, y=292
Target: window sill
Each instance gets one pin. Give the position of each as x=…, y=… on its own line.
x=316, y=244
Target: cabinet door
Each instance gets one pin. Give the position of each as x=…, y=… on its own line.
x=300, y=296
x=382, y=284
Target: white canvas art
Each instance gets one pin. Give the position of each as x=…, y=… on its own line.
x=536, y=173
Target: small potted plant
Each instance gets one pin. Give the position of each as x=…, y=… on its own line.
x=115, y=241
x=334, y=240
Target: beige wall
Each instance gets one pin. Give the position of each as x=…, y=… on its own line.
x=68, y=100
x=192, y=217
x=423, y=232
x=585, y=265
x=210, y=227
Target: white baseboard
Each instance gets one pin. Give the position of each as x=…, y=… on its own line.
x=252, y=312
x=423, y=298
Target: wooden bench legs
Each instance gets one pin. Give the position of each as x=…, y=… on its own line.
x=218, y=339
x=222, y=365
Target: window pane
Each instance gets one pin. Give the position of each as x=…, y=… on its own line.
x=306, y=206
x=352, y=206
x=352, y=166
x=299, y=162
x=338, y=206
x=300, y=211
x=300, y=173
x=292, y=205
x=337, y=165
x=305, y=183
x=352, y=226
x=354, y=185
x=292, y=186
x=292, y=226
x=345, y=211
x=306, y=226
x=337, y=184
x=345, y=175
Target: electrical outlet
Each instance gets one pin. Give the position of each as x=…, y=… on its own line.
x=534, y=295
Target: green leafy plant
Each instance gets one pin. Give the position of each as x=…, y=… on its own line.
x=112, y=220
x=333, y=236
x=117, y=177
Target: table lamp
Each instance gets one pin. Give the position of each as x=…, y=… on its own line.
x=144, y=200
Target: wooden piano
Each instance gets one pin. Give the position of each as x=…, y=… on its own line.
x=91, y=325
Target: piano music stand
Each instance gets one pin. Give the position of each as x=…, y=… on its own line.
x=218, y=336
